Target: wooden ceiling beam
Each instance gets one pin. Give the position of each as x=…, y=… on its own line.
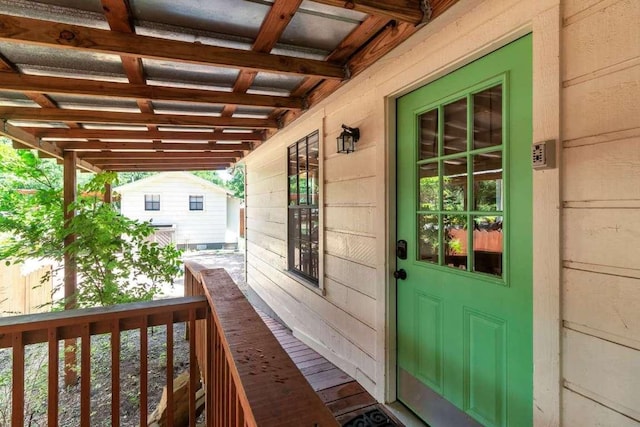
x=56, y=133
x=89, y=116
x=164, y=146
x=161, y=161
x=402, y=10
x=60, y=35
x=164, y=168
x=28, y=141
x=112, y=157
x=59, y=85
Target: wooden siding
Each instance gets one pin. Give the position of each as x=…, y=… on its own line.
x=601, y=215
x=192, y=227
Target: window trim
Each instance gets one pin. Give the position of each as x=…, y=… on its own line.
x=314, y=284
x=201, y=196
x=149, y=204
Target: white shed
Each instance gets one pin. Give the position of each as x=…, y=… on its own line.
x=194, y=212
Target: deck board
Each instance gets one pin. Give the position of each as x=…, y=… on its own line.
x=344, y=396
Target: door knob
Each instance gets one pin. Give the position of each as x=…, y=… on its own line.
x=400, y=274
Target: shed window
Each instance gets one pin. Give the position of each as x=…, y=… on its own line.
x=303, y=212
x=196, y=203
x=151, y=202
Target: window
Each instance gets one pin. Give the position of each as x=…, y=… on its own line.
x=151, y=202
x=196, y=203
x=460, y=177
x=303, y=213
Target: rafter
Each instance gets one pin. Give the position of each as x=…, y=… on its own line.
x=178, y=156
x=59, y=85
x=59, y=35
x=29, y=141
x=161, y=161
x=88, y=116
x=164, y=146
x=164, y=168
x=402, y=10
x=57, y=133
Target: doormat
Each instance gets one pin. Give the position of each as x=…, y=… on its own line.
x=373, y=418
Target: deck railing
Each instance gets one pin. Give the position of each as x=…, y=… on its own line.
x=250, y=379
x=19, y=331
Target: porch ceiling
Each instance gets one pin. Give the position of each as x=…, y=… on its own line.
x=181, y=84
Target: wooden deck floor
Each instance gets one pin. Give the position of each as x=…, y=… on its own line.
x=342, y=394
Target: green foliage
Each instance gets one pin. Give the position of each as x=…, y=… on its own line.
x=236, y=183
x=115, y=261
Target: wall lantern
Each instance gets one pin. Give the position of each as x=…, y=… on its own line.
x=347, y=139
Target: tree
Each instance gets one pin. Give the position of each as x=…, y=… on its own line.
x=116, y=262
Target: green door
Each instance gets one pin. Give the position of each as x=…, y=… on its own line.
x=465, y=211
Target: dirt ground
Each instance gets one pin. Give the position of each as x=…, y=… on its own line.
x=69, y=398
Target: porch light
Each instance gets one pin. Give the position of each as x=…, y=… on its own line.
x=347, y=139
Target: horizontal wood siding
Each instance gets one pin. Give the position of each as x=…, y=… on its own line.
x=192, y=227
x=348, y=322
x=601, y=215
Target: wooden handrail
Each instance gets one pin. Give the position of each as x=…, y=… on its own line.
x=18, y=331
x=250, y=379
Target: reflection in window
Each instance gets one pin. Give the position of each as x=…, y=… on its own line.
x=487, y=118
x=429, y=135
x=428, y=236
x=429, y=187
x=455, y=239
x=455, y=127
x=487, y=181
x=454, y=181
x=303, y=221
x=488, y=244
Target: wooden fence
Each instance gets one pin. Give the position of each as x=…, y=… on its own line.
x=22, y=293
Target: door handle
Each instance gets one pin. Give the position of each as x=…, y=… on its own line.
x=400, y=274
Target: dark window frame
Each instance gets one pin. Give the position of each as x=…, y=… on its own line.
x=151, y=202
x=303, y=211
x=197, y=204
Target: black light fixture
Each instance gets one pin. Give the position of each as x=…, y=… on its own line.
x=347, y=139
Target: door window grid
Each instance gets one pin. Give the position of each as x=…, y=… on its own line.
x=303, y=215
x=151, y=202
x=196, y=203
x=462, y=183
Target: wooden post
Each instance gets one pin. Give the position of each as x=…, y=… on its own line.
x=70, y=271
x=107, y=193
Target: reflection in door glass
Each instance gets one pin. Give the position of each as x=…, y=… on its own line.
x=428, y=238
x=429, y=135
x=488, y=245
x=487, y=117
x=455, y=239
x=429, y=187
x=454, y=180
x=455, y=127
x=487, y=181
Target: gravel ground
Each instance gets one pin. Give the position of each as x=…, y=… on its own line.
x=69, y=398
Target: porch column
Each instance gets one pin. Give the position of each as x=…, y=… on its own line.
x=107, y=193
x=70, y=270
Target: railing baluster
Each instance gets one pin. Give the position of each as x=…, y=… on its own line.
x=216, y=379
x=192, y=368
x=170, y=413
x=239, y=411
x=144, y=344
x=232, y=404
x=85, y=377
x=52, y=398
x=17, y=397
x=115, y=373
x=209, y=361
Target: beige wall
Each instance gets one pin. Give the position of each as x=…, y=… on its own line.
x=601, y=192
x=352, y=324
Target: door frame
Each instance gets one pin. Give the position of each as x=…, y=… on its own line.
x=545, y=26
